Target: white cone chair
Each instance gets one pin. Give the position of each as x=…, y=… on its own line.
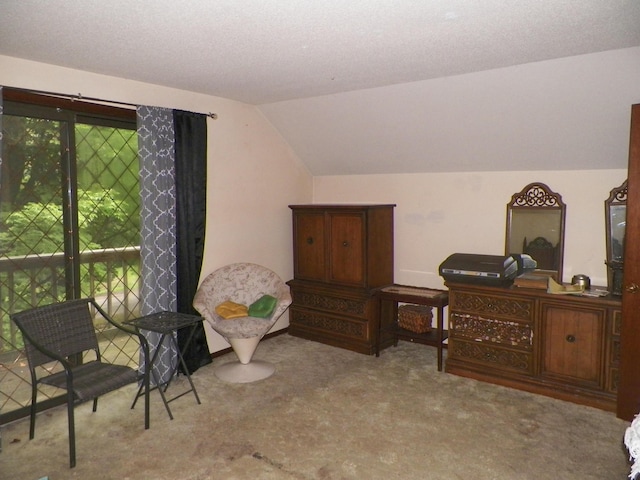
x=242, y=283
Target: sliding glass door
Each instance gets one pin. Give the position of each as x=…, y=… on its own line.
x=69, y=225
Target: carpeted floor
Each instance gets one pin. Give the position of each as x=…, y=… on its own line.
x=328, y=414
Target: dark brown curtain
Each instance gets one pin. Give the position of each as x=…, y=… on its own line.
x=191, y=197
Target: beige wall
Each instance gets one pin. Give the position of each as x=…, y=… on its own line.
x=443, y=213
x=253, y=174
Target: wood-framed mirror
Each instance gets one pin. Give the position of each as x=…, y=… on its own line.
x=535, y=226
x=615, y=211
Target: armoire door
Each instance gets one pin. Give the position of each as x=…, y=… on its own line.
x=346, y=249
x=629, y=382
x=309, y=245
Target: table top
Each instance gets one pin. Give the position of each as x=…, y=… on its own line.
x=418, y=295
x=165, y=322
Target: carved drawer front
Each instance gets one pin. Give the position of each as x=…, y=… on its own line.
x=492, y=357
x=613, y=338
x=491, y=330
x=616, y=324
x=515, y=309
x=614, y=352
x=613, y=377
x=330, y=303
x=613, y=357
x=324, y=323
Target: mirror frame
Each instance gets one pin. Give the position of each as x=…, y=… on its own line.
x=617, y=198
x=539, y=198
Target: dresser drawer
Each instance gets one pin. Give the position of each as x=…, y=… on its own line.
x=488, y=357
x=501, y=332
x=493, y=306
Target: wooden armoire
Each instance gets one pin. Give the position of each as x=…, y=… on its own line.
x=341, y=253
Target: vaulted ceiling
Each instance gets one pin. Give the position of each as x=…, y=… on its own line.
x=265, y=52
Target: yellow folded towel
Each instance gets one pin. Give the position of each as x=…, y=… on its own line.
x=229, y=310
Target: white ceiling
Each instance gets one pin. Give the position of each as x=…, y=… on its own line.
x=295, y=58
x=263, y=51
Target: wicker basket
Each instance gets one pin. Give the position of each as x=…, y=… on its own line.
x=415, y=318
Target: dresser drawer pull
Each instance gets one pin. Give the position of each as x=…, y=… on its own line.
x=570, y=338
x=310, y=240
x=345, y=244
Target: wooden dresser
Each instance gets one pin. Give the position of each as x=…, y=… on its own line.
x=563, y=346
x=341, y=253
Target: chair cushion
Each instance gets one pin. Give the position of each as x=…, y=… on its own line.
x=93, y=379
x=229, y=309
x=263, y=307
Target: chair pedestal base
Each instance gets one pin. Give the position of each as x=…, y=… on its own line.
x=236, y=372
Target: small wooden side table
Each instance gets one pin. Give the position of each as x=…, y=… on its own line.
x=389, y=297
x=167, y=324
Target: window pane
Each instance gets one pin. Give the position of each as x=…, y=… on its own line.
x=109, y=216
x=31, y=233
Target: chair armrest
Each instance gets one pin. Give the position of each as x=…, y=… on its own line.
x=131, y=331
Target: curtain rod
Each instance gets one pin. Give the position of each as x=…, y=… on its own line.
x=80, y=97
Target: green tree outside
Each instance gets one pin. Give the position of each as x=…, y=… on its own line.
x=31, y=192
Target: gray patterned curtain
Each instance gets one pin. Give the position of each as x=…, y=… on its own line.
x=158, y=225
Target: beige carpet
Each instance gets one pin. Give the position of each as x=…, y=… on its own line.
x=328, y=414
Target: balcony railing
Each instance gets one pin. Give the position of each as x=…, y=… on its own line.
x=110, y=275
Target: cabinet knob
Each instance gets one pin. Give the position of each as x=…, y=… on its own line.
x=631, y=288
x=310, y=240
x=345, y=244
x=570, y=338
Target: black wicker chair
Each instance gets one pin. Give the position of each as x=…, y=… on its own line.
x=63, y=332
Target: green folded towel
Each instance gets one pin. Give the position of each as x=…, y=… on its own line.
x=263, y=307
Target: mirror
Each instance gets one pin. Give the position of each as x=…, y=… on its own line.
x=615, y=208
x=535, y=226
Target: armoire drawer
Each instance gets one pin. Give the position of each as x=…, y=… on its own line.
x=326, y=322
x=356, y=307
